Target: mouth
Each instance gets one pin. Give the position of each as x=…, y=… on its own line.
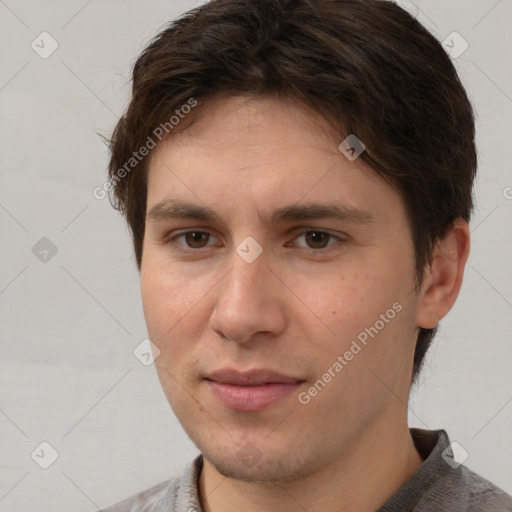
x=254, y=390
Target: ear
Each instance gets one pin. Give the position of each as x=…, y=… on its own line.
x=443, y=277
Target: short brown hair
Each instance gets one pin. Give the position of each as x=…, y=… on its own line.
x=367, y=66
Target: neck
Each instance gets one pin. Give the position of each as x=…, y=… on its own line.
x=370, y=472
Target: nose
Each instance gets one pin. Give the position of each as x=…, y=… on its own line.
x=249, y=302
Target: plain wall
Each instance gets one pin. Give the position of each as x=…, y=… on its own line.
x=69, y=325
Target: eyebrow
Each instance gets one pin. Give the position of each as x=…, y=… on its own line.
x=174, y=209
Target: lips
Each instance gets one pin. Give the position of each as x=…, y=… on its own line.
x=250, y=378
x=253, y=390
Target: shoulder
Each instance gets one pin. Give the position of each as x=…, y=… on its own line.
x=463, y=490
x=179, y=493
x=149, y=500
x=443, y=484
x=481, y=494
x=452, y=486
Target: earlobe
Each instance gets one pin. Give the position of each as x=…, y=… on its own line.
x=443, y=278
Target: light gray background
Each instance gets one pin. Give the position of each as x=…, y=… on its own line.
x=69, y=326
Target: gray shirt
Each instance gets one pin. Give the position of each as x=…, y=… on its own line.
x=440, y=484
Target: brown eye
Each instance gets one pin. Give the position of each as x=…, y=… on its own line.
x=196, y=239
x=317, y=239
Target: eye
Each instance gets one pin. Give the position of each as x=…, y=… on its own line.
x=316, y=239
x=193, y=239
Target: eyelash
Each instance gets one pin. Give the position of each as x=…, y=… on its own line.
x=172, y=240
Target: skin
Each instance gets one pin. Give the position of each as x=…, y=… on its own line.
x=296, y=308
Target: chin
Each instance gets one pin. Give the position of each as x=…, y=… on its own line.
x=249, y=464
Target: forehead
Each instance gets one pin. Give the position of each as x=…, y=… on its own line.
x=244, y=152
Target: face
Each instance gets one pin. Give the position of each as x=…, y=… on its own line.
x=277, y=282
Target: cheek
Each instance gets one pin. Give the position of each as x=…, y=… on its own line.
x=346, y=302
x=360, y=305
x=154, y=300
x=175, y=310
x=163, y=300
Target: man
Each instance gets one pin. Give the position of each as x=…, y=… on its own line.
x=297, y=176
